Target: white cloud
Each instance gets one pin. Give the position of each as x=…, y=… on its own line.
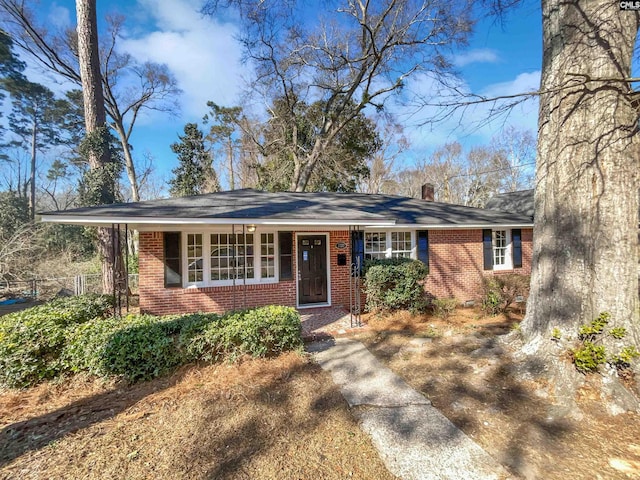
x=201, y=51
x=480, y=55
x=525, y=82
x=59, y=17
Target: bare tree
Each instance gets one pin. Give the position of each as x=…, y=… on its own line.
x=586, y=198
x=128, y=87
x=381, y=164
x=464, y=178
x=517, y=151
x=359, y=54
x=156, y=89
x=17, y=251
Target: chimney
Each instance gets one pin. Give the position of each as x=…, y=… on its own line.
x=428, y=192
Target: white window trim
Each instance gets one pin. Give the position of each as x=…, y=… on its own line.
x=206, y=261
x=508, y=260
x=389, y=244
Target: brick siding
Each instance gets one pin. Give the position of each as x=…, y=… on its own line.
x=455, y=262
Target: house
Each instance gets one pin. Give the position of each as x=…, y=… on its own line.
x=243, y=248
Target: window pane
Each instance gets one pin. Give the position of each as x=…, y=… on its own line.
x=400, y=244
x=194, y=258
x=267, y=255
x=499, y=247
x=229, y=254
x=375, y=245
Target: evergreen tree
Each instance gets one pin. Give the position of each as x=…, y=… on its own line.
x=194, y=174
x=34, y=119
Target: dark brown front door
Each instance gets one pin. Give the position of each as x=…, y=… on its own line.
x=312, y=269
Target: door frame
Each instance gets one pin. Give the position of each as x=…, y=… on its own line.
x=328, y=260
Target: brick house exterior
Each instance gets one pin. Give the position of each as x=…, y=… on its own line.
x=455, y=269
x=246, y=248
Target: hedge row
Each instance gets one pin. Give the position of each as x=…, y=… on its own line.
x=32, y=340
x=38, y=343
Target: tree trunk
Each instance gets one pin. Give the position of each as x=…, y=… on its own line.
x=95, y=117
x=232, y=179
x=32, y=176
x=128, y=160
x=586, y=199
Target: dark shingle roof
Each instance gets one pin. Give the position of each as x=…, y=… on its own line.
x=514, y=202
x=325, y=207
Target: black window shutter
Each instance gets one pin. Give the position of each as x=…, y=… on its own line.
x=423, y=247
x=516, y=239
x=357, y=252
x=172, y=259
x=285, y=248
x=487, y=248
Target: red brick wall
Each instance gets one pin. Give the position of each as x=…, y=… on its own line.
x=455, y=261
x=339, y=274
x=157, y=300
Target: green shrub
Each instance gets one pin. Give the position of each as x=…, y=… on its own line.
x=64, y=311
x=443, y=307
x=395, y=284
x=259, y=332
x=588, y=356
x=45, y=344
x=31, y=341
x=623, y=359
x=589, y=332
x=499, y=291
x=137, y=347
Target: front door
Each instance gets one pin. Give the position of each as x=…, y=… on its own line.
x=312, y=269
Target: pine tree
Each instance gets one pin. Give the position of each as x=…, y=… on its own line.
x=194, y=174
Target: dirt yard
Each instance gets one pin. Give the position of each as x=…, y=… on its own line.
x=284, y=419
x=470, y=376
x=263, y=419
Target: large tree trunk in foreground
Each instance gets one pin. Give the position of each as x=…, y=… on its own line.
x=95, y=118
x=586, y=200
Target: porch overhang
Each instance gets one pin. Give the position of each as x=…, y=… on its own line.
x=156, y=223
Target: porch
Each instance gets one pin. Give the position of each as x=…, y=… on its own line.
x=322, y=322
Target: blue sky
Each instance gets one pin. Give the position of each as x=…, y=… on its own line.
x=206, y=59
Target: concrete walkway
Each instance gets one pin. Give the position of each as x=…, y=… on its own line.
x=415, y=441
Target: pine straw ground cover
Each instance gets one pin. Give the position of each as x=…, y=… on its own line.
x=471, y=377
x=280, y=418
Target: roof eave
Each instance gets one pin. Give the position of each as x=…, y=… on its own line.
x=465, y=226
x=98, y=221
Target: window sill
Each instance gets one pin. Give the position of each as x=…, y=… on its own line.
x=231, y=287
x=505, y=270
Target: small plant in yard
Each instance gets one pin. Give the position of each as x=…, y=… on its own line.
x=443, y=307
x=590, y=354
x=498, y=292
x=556, y=335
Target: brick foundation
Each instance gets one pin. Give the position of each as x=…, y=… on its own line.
x=455, y=262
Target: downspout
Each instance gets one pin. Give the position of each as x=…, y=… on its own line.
x=244, y=266
x=233, y=277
